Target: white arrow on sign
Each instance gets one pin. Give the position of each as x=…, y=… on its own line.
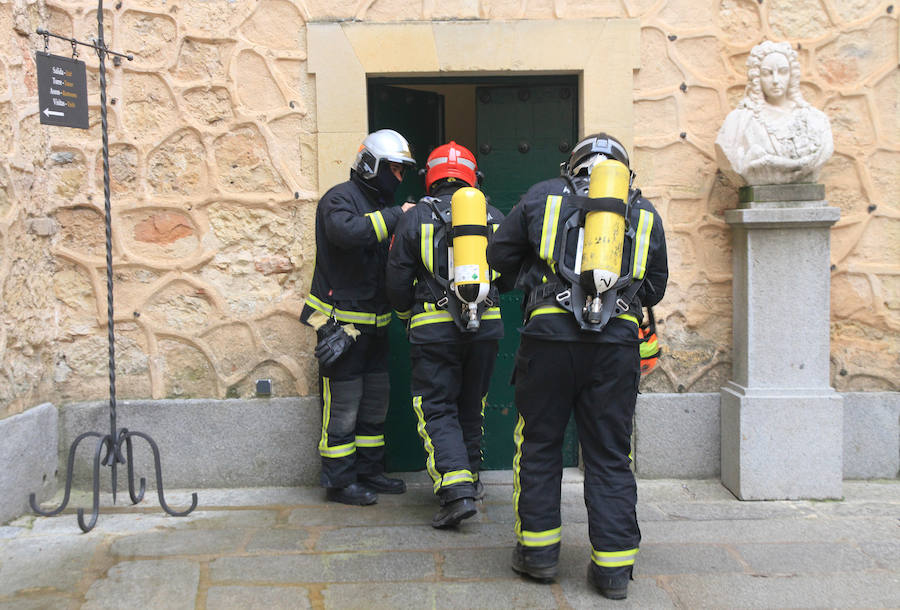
x=49, y=112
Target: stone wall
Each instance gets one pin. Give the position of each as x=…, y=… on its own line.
x=214, y=185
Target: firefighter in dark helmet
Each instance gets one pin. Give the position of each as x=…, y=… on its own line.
x=438, y=278
x=589, y=253
x=348, y=307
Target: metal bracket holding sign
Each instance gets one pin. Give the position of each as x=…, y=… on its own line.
x=62, y=92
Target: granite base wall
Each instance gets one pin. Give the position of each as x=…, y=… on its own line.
x=272, y=442
x=28, y=446
x=206, y=443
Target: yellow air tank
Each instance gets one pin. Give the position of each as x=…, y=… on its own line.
x=471, y=276
x=604, y=232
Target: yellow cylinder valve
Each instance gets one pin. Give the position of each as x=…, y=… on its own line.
x=604, y=232
x=471, y=279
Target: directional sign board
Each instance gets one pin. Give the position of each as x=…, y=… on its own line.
x=62, y=91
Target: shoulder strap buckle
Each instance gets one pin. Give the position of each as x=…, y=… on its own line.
x=564, y=298
x=442, y=302
x=622, y=305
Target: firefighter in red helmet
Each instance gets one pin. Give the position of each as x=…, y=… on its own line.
x=454, y=323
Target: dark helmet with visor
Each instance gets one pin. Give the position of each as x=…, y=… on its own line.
x=591, y=150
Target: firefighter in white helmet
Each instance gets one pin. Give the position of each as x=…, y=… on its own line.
x=589, y=253
x=439, y=279
x=348, y=307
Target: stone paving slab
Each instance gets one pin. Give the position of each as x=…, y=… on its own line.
x=170, y=584
x=643, y=594
x=805, y=558
x=453, y=595
x=414, y=537
x=24, y=562
x=279, y=539
x=838, y=590
x=40, y=602
x=886, y=553
x=684, y=558
x=316, y=568
x=782, y=530
x=180, y=542
x=270, y=598
x=287, y=548
x=727, y=510
x=416, y=514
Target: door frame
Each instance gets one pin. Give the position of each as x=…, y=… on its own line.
x=603, y=53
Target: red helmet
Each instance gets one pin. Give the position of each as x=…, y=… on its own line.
x=451, y=161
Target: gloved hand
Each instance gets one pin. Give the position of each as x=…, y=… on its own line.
x=333, y=343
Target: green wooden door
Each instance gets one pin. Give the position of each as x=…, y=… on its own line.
x=524, y=133
x=419, y=117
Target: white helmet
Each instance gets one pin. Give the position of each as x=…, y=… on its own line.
x=384, y=144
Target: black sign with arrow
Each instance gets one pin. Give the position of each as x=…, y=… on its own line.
x=62, y=91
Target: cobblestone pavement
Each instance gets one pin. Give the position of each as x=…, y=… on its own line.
x=287, y=548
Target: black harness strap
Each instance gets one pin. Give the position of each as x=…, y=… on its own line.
x=600, y=204
x=464, y=230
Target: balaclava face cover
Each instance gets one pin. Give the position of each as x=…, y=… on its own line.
x=385, y=182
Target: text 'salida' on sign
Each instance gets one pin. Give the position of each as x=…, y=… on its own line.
x=62, y=91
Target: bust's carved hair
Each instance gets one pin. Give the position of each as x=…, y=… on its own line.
x=754, y=98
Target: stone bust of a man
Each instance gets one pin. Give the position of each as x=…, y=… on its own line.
x=774, y=136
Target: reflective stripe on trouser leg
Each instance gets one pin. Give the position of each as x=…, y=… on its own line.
x=436, y=383
x=604, y=414
x=544, y=408
x=337, y=444
x=614, y=559
x=370, y=424
x=426, y=440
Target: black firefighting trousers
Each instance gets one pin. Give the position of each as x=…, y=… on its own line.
x=600, y=382
x=354, y=395
x=449, y=386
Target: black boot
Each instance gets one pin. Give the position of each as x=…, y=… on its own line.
x=354, y=494
x=453, y=512
x=382, y=484
x=610, y=587
x=540, y=565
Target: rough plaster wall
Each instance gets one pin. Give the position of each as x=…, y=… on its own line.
x=213, y=195
x=213, y=169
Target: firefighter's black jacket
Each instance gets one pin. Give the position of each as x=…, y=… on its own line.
x=353, y=228
x=411, y=290
x=516, y=247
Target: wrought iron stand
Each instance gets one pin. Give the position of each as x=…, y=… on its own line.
x=116, y=438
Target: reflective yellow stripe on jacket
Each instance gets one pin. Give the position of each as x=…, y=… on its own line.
x=433, y=316
x=381, y=231
x=540, y=311
x=427, y=247
x=642, y=244
x=549, y=228
x=346, y=315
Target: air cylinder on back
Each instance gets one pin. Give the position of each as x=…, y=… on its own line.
x=604, y=232
x=471, y=276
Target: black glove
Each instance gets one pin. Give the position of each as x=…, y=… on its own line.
x=333, y=343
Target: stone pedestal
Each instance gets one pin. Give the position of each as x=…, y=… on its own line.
x=782, y=423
